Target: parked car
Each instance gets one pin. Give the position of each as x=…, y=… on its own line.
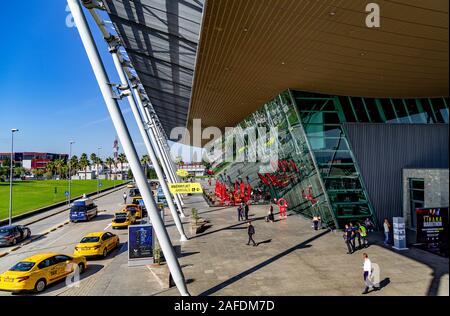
x=11, y=235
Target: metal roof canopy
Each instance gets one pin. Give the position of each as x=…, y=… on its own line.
x=161, y=39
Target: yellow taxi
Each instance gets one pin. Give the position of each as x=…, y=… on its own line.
x=37, y=272
x=123, y=220
x=131, y=185
x=96, y=244
x=134, y=209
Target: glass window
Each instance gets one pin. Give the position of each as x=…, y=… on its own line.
x=22, y=266
x=431, y=118
x=339, y=171
x=347, y=108
x=87, y=240
x=360, y=110
x=315, y=105
x=440, y=109
x=324, y=131
x=328, y=157
x=372, y=108
x=415, y=114
x=400, y=110
x=388, y=111
x=62, y=258
x=318, y=143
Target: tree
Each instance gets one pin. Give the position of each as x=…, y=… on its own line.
x=84, y=163
x=110, y=162
x=145, y=160
x=94, y=159
x=50, y=169
x=38, y=173
x=18, y=172
x=59, y=165
x=122, y=159
x=73, y=164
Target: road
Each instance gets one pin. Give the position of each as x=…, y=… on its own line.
x=65, y=237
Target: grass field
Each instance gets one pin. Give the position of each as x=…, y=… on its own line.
x=30, y=195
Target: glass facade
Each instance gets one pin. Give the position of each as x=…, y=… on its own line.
x=317, y=172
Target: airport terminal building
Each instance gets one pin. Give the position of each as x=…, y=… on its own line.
x=357, y=108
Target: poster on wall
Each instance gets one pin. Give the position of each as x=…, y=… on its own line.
x=432, y=229
x=140, y=245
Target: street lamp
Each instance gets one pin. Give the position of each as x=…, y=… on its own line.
x=11, y=174
x=70, y=170
x=98, y=172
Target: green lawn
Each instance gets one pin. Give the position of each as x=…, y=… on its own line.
x=30, y=195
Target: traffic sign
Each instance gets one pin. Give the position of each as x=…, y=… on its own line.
x=185, y=188
x=66, y=193
x=100, y=184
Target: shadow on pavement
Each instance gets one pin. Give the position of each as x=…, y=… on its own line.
x=302, y=245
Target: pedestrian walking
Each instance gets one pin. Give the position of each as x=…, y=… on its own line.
x=239, y=210
x=367, y=268
x=319, y=224
x=363, y=234
x=270, y=217
x=125, y=196
x=357, y=235
x=348, y=239
x=246, y=211
x=369, y=225
x=387, y=229
x=353, y=237
x=251, y=232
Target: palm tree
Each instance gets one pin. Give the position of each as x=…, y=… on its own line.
x=51, y=167
x=59, y=164
x=73, y=163
x=110, y=162
x=84, y=164
x=145, y=160
x=98, y=164
x=122, y=159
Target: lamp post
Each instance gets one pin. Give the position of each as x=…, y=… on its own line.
x=11, y=174
x=70, y=170
x=98, y=172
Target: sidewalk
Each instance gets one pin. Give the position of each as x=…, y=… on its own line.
x=295, y=260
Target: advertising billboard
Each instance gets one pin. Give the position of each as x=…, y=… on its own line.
x=140, y=245
x=432, y=229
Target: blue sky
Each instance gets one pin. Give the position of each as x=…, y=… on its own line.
x=47, y=87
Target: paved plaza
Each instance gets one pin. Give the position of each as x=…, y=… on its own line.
x=293, y=259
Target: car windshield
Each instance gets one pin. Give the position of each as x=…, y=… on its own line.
x=23, y=266
x=78, y=208
x=86, y=240
x=4, y=232
x=131, y=209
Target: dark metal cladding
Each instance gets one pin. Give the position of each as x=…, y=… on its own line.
x=384, y=150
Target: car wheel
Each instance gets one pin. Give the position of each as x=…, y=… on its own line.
x=14, y=242
x=40, y=286
x=81, y=268
x=105, y=252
